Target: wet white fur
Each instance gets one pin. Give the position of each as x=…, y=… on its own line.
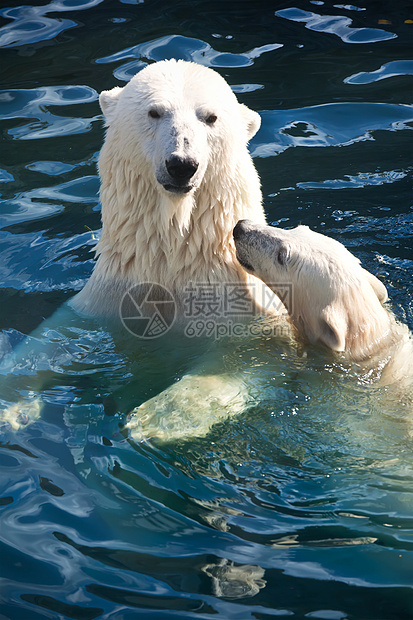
x=150, y=234
x=332, y=300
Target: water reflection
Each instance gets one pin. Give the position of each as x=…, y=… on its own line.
x=336, y=24
x=391, y=69
x=33, y=103
x=333, y=124
x=52, y=168
x=231, y=581
x=31, y=25
x=5, y=177
x=303, y=507
x=362, y=179
x=45, y=201
x=184, y=48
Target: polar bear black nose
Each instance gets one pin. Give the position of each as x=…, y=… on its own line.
x=181, y=170
x=241, y=228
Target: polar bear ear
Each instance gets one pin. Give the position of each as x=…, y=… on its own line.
x=377, y=286
x=333, y=329
x=108, y=100
x=251, y=119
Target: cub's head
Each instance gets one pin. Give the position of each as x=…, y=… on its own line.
x=327, y=293
x=174, y=120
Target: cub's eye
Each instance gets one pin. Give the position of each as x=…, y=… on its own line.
x=282, y=255
x=154, y=114
x=210, y=119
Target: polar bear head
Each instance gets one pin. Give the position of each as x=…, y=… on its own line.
x=327, y=293
x=174, y=119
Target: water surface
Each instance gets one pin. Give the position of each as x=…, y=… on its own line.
x=302, y=508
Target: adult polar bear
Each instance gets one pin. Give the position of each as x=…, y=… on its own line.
x=176, y=176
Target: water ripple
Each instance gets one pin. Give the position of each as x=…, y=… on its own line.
x=49, y=265
x=336, y=24
x=5, y=177
x=44, y=201
x=305, y=502
x=30, y=24
x=391, y=69
x=347, y=7
x=332, y=124
x=33, y=103
x=52, y=168
x=361, y=179
x=184, y=48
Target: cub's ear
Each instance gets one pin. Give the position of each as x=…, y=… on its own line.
x=108, y=100
x=333, y=328
x=251, y=119
x=377, y=286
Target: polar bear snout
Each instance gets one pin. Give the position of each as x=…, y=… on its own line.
x=259, y=249
x=180, y=170
x=242, y=246
x=241, y=228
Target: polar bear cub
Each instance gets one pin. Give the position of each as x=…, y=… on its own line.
x=330, y=298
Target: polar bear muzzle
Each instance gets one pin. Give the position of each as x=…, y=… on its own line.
x=180, y=170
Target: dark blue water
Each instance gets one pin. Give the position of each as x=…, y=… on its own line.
x=304, y=507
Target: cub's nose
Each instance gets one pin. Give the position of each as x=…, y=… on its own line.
x=240, y=228
x=181, y=170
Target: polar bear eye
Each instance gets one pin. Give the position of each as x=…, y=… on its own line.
x=211, y=119
x=154, y=113
x=282, y=255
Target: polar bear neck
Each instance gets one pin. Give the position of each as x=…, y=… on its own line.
x=346, y=302
x=149, y=235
